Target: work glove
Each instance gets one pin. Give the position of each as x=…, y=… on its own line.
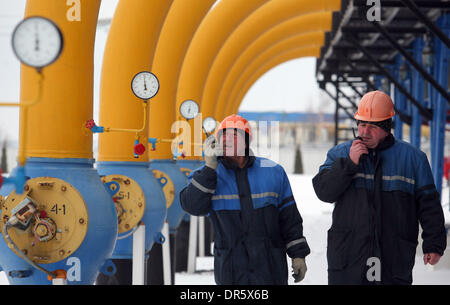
x=212, y=151
x=298, y=269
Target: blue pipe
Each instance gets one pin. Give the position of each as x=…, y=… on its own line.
x=175, y=213
x=440, y=111
x=84, y=264
x=399, y=100
x=192, y=165
x=155, y=203
x=417, y=92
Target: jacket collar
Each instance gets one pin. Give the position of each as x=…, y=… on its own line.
x=250, y=160
x=386, y=143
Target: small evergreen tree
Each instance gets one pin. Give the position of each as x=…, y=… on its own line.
x=4, y=162
x=298, y=167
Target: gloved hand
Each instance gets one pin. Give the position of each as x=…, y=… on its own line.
x=298, y=269
x=212, y=151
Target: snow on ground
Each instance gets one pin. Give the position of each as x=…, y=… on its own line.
x=316, y=222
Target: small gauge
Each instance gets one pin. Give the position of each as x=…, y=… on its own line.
x=145, y=85
x=189, y=109
x=37, y=42
x=209, y=124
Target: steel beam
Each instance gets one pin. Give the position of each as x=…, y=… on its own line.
x=425, y=20
x=427, y=113
x=411, y=60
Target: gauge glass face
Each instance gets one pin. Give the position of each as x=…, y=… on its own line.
x=189, y=109
x=37, y=42
x=145, y=85
x=209, y=124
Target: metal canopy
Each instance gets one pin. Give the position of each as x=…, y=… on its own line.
x=358, y=51
x=397, y=19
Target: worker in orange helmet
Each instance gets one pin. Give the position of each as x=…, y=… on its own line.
x=252, y=208
x=382, y=189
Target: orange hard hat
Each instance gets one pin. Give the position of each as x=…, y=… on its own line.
x=235, y=121
x=375, y=106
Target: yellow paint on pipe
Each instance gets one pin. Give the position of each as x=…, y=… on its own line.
x=130, y=48
x=302, y=40
x=208, y=39
x=320, y=21
x=179, y=27
x=266, y=17
x=275, y=61
x=55, y=125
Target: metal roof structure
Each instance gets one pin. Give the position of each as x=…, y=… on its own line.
x=357, y=49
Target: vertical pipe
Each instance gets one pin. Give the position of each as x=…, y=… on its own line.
x=179, y=27
x=440, y=112
x=417, y=92
x=399, y=100
x=167, y=268
x=129, y=49
x=336, y=115
x=201, y=236
x=192, y=251
x=139, y=256
x=55, y=124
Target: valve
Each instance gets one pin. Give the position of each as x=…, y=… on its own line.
x=139, y=149
x=176, y=154
x=44, y=229
x=90, y=124
x=153, y=142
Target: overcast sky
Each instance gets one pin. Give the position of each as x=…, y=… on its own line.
x=295, y=79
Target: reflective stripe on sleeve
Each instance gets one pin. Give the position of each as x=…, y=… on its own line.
x=202, y=188
x=295, y=242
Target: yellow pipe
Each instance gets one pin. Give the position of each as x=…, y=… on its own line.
x=320, y=21
x=179, y=27
x=129, y=49
x=275, y=61
x=266, y=17
x=24, y=117
x=53, y=128
x=302, y=40
x=210, y=36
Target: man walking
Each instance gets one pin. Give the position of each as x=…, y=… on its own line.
x=382, y=189
x=250, y=202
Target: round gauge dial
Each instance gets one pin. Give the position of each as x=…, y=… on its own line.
x=145, y=85
x=189, y=109
x=209, y=124
x=37, y=42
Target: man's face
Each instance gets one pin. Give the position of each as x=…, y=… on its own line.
x=233, y=143
x=371, y=134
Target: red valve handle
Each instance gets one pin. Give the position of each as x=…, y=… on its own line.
x=90, y=124
x=139, y=149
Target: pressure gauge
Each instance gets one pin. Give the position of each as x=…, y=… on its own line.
x=37, y=42
x=145, y=85
x=189, y=109
x=209, y=124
